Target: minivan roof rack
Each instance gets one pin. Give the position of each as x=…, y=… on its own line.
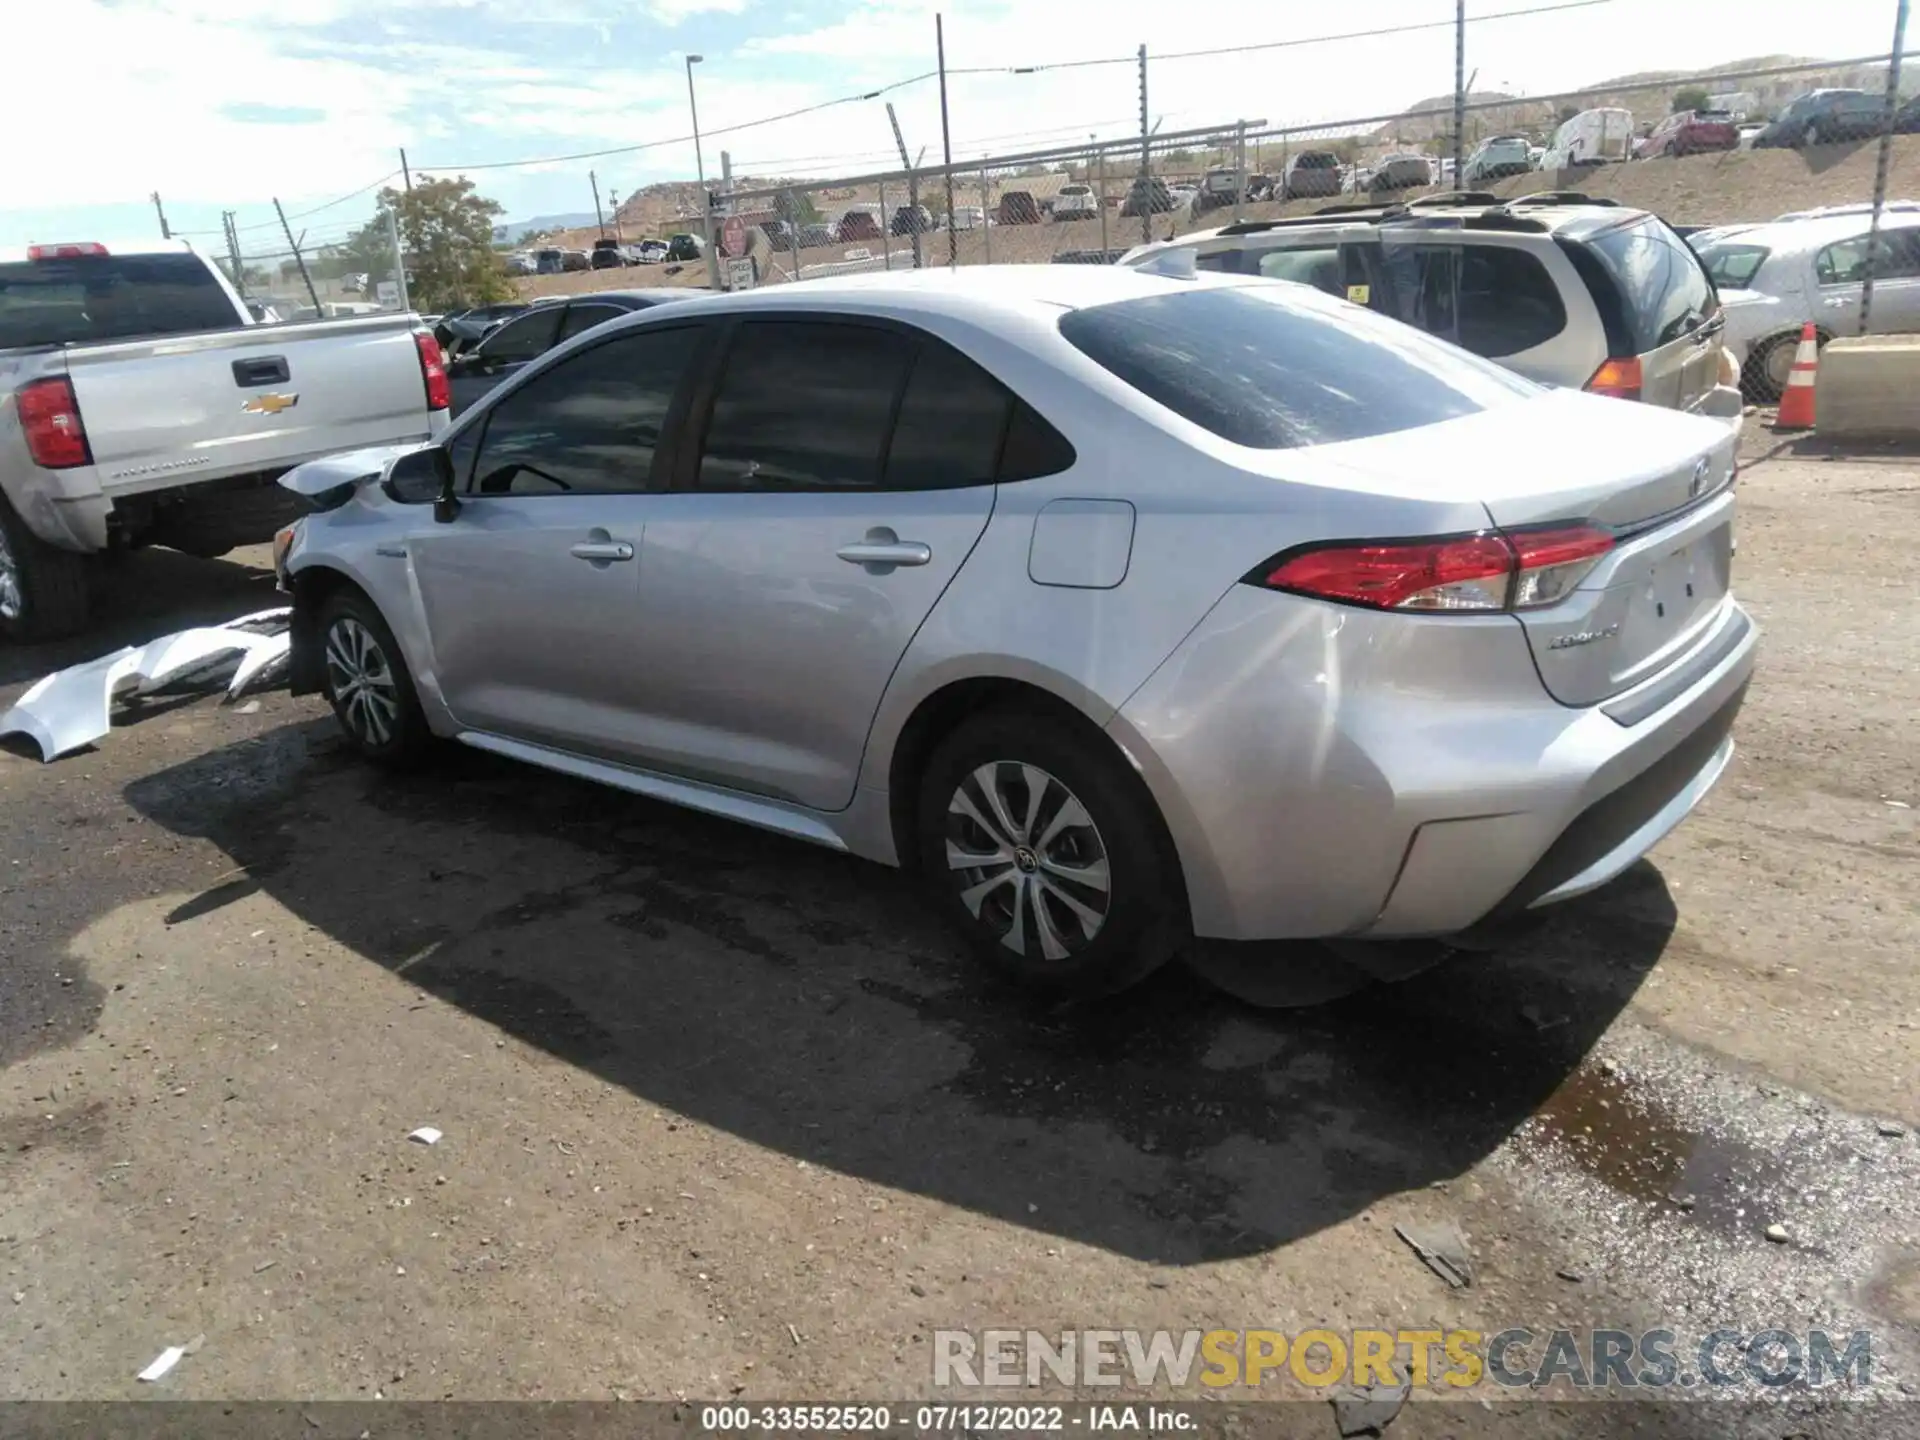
x=1561, y=197
x=1446, y=198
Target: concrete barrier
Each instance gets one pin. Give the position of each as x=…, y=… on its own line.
x=1869, y=385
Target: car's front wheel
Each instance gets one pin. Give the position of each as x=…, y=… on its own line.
x=366, y=681
x=1049, y=855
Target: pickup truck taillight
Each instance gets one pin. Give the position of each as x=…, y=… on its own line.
x=50, y=419
x=433, y=369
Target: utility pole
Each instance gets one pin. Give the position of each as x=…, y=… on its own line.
x=946, y=141
x=1886, y=158
x=399, y=259
x=165, y=233
x=298, y=259
x=986, y=216
x=1239, y=167
x=405, y=173
x=233, y=252
x=1101, y=196
x=1459, y=94
x=613, y=208
x=599, y=215
x=913, y=188
x=1146, y=165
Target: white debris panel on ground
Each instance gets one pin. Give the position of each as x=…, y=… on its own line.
x=72, y=708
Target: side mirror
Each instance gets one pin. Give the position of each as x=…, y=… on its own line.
x=423, y=477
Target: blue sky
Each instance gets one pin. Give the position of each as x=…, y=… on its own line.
x=224, y=104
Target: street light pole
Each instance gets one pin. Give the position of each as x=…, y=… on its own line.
x=700, y=170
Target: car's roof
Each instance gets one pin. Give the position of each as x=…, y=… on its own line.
x=1574, y=220
x=972, y=289
x=1816, y=231
x=638, y=296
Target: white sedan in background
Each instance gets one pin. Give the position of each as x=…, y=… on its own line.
x=1775, y=277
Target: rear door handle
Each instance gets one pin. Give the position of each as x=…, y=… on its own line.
x=882, y=550
x=261, y=370
x=603, y=552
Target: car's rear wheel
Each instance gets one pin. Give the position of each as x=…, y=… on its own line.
x=1770, y=365
x=44, y=590
x=366, y=681
x=1049, y=855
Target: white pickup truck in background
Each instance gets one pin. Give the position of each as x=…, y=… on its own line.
x=140, y=404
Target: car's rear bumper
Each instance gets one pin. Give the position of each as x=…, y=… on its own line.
x=1332, y=771
x=1724, y=403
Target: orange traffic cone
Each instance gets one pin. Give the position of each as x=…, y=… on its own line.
x=1796, y=401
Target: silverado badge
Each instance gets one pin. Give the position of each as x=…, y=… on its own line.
x=269, y=404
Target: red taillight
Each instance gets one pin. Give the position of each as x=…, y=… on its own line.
x=1476, y=573
x=433, y=369
x=1618, y=378
x=66, y=252
x=50, y=419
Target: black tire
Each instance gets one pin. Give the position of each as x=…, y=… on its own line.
x=1141, y=914
x=45, y=592
x=381, y=716
x=1755, y=381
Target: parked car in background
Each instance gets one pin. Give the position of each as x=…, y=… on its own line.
x=1585, y=295
x=549, y=261
x=1823, y=117
x=683, y=247
x=911, y=220
x=1906, y=120
x=1400, y=172
x=466, y=328
x=518, y=263
x=814, y=236
x=969, y=217
x=141, y=405
x=1690, y=132
x=1076, y=202
x=1535, y=154
x=778, y=232
x=608, y=254
x=1311, y=175
x=575, y=260
x=510, y=347
x=1017, y=207
x=1498, y=158
x=1085, y=635
x=1749, y=133
x=1602, y=136
x=1147, y=196
x=652, y=252
x=1773, y=278
x=855, y=225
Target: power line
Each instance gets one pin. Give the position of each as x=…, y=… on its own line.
x=875, y=94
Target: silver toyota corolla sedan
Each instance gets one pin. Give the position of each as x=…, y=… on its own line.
x=1122, y=607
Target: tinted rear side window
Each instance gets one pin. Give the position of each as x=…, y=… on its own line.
x=1733, y=266
x=1662, y=289
x=109, y=297
x=1271, y=368
x=1491, y=299
x=953, y=419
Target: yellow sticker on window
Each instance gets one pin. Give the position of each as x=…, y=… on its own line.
x=1358, y=294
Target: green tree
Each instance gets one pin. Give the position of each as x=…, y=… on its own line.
x=1693, y=97
x=447, y=233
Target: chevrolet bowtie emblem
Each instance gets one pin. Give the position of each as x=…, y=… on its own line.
x=269, y=404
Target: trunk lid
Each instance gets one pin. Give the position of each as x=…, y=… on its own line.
x=1658, y=307
x=1659, y=481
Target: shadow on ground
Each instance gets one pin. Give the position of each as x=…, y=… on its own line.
x=142, y=596
x=807, y=1002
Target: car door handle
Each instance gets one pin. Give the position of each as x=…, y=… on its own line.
x=602, y=551
x=885, y=552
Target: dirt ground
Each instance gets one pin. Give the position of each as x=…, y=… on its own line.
x=1695, y=190
x=726, y=1116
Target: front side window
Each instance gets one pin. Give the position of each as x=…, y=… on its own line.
x=524, y=339
x=592, y=423
x=804, y=405
x=1272, y=368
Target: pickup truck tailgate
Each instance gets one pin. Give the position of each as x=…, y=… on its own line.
x=236, y=401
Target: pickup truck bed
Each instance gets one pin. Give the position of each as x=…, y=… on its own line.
x=172, y=438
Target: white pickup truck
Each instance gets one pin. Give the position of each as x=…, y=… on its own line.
x=140, y=404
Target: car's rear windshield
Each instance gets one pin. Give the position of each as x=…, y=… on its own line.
x=1318, y=160
x=1732, y=265
x=109, y=297
x=1276, y=367
x=1662, y=289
